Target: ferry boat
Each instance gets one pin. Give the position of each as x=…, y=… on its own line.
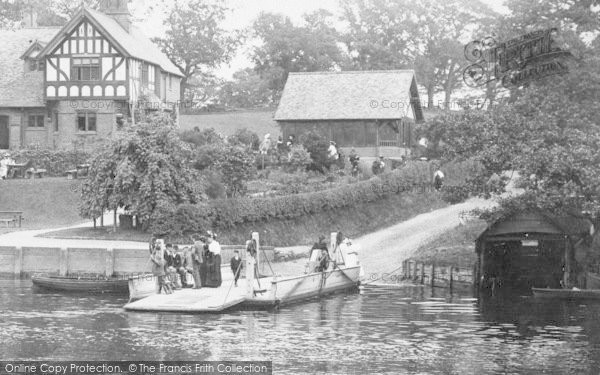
x=343, y=272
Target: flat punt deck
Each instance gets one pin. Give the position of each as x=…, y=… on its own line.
x=193, y=300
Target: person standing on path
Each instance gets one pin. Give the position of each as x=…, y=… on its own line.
x=438, y=179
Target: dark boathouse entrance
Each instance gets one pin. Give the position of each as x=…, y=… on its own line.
x=533, y=249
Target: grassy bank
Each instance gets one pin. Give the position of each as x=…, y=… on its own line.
x=353, y=221
x=455, y=247
x=46, y=202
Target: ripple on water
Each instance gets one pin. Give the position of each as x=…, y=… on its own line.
x=379, y=330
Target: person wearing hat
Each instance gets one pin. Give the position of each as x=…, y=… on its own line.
x=316, y=255
x=213, y=276
x=236, y=266
x=4, y=163
x=333, y=151
x=265, y=146
x=378, y=166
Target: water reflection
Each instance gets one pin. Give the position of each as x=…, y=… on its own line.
x=409, y=330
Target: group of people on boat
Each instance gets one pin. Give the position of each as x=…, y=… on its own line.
x=202, y=261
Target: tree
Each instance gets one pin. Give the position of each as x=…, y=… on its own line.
x=427, y=35
x=247, y=90
x=145, y=168
x=194, y=40
x=377, y=36
x=289, y=48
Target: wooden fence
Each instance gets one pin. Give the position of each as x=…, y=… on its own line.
x=438, y=276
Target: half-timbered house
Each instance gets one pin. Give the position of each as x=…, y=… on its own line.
x=373, y=112
x=80, y=83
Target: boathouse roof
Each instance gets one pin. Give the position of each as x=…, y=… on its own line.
x=535, y=223
x=349, y=95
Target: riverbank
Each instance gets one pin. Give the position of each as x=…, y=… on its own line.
x=353, y=221
x=454, y=247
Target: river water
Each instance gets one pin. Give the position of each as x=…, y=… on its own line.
x=401, y=330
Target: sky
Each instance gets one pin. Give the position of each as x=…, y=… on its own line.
x=244, y=12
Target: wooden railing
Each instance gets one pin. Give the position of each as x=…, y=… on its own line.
x=392, y=143
x=437, y=276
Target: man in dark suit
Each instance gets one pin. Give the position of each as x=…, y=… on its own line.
x=236, y=265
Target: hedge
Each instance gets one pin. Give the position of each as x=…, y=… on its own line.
x=55, y=162
x=227, y=213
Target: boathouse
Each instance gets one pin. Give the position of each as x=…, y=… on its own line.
x=373, y=112
x=78, y=84
x=535, y=249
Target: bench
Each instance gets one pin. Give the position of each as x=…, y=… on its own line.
x=35, y=173
x=18, y=170
x=11, y=217
x=81, y=170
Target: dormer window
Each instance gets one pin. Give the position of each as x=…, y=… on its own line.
x=85, y=69
x=36, y=65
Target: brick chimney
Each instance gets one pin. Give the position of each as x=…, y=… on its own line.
x=118, y=10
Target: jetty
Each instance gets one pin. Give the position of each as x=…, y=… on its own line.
x=343, y=272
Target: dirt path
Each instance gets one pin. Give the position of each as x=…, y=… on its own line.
x=383, y=251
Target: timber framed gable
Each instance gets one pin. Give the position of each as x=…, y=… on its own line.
x=83, y=62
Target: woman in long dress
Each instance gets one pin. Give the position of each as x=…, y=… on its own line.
x=203, y=260
x=214, y=262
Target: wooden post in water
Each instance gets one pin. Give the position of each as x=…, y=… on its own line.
x=451, y=276
x=256, y=238
x=433, y=275
x=422, y=273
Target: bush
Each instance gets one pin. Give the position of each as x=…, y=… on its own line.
x=201, y=137
x=246, y=138
x=55, y=162
x=227, y=213
x=454, y=194
x=299, y=159
x=317, y=147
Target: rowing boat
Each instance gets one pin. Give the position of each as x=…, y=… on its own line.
x=566, y=293
x=81, y=284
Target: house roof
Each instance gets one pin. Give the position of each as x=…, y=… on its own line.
x=16, y=88
x=132, y=44
x=348, y=95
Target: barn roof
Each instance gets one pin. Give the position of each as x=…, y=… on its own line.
x=538, y=222
x=133, y=43
x=349, y=95
x=19, y=89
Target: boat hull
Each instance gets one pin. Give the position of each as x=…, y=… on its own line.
x=294, y=289
x=277, y=292
x=570, y=294
x=142, y=286
x=72, y=284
